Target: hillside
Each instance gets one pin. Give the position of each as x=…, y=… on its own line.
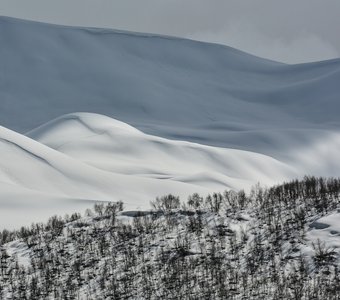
x=276, y=243
x=164, y=115
x=87, y=157
x=165, y=86
x=245, y=150
x=117, y=147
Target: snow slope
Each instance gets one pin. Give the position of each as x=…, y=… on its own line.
x=37, y=181
x=93, y=157
x=116, y=147
x=193, y=117
x=165, y=86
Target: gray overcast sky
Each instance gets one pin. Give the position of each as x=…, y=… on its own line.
x=285, y=30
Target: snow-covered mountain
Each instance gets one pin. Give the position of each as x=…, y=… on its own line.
x=89, y=157
x=170, y=87
x=181, y=116
x=117, y=147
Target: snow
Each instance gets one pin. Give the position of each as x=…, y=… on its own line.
x=116, y=147
x=164, y=115
x=327, y=230
x=21, y=251
x=174, y=88
x=88, y=157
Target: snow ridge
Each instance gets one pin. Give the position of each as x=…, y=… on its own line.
x=95, y=158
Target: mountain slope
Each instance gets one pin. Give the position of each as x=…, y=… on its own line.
x=263, y=121
x=96, y=158
x=116, y=147
x=169, y=87
x=36, y=181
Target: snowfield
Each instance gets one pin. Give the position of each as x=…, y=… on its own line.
x=163, y=115
x=35, y=180
x=169, y=87
x=91, y=157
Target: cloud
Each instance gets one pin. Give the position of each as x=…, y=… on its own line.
x=304, y=47
x=290, y=31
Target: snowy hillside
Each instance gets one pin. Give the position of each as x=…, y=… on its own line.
x=116, y=147
x=169, y=87
x=163, y=115
x=92, y=157
x=276, y=243
x=37, y=181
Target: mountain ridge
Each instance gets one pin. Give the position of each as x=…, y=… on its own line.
x=156, y=85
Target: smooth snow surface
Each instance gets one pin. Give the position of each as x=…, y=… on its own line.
x=193, y=117
x=116, y=147
x=169, y=87
x=89, y=157
x=37, y=181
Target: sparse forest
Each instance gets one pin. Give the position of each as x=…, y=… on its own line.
x=234, y=245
